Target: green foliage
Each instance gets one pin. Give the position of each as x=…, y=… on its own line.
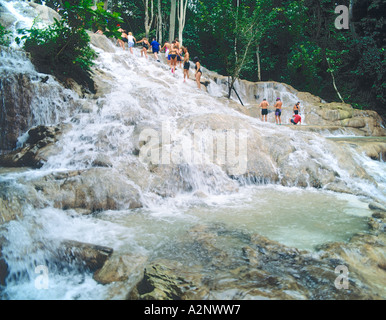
x=82, y=14
x=4, y=36
x=61, y=50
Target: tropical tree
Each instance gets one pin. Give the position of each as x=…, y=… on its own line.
x=182, y=6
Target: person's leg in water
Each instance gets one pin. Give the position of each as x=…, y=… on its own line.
x=186, y=71
x=156, y=55
x=173, y=62
x=144, y=50
x=131, y=45
x=121, y=43
x=198, y=79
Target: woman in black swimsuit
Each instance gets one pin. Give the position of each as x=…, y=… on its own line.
x=123, y=38
x=198, y=71
x=145, y=46
x=173, y=56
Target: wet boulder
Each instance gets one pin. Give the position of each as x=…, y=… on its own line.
x=81, y=255
x=41, y=143
x=169, y=280
x=121, y=268
x=96, y=189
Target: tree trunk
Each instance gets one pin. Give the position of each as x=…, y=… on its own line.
x=333, y=81
x=258, y=63
x=159, y=22
x=106, y=5
x=237, y=20
x=148, y=19
x=181, y=18
x=351, y=23
x=239, y=66
x=172, y=28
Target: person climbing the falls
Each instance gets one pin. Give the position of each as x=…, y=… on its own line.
x=296, y=119
x=297, y=108
x=264, y=110
x=198, y=71
x=123, y=38
x=186, y=63
x=180, y=57
x=131, y=40
x=278, y=107
x=173, y=56
x=145, y=46
x=166, y=46
x=155, y=48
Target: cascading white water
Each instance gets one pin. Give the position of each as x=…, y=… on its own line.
x=145, y=95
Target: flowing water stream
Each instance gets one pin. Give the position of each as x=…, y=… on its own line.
x=144, y=92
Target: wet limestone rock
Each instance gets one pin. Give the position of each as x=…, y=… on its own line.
x=14, y=199
x=38, y=147
x=6, y=18
x=169, y=280
x=373, y=147
x=85, y=256
x=45, y=13
x=343, y=116
x=120, y=268
x=96, y=189
x=263, y=269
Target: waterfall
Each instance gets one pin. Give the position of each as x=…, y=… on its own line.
x=152, y=156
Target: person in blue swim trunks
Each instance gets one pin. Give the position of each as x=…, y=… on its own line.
x=156, y=48
x=278, y=107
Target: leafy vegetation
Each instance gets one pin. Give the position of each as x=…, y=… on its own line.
x=63, y=48
x=4, y=36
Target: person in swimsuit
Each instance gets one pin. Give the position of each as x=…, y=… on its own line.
x=264, y=109
x=173, y=56
x=278, y=107
x=198, y=71
x=180, y=56
x=178, y=47
x=123, y=38
x=131, y=42
x=166, y=46
x=186, y=63
x=296, y=119
x=145, y=46
x=297, y=108
x=155, y=47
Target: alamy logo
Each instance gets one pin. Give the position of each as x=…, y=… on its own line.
x=342, y=21
x=42, y=280
x=341, y=282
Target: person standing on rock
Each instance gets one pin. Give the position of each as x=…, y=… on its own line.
x=198, y=71
x=297, y=108
x=167, y=49
x=186, y=63
x=264, y=110
x=173, y=56
x=278, y=107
